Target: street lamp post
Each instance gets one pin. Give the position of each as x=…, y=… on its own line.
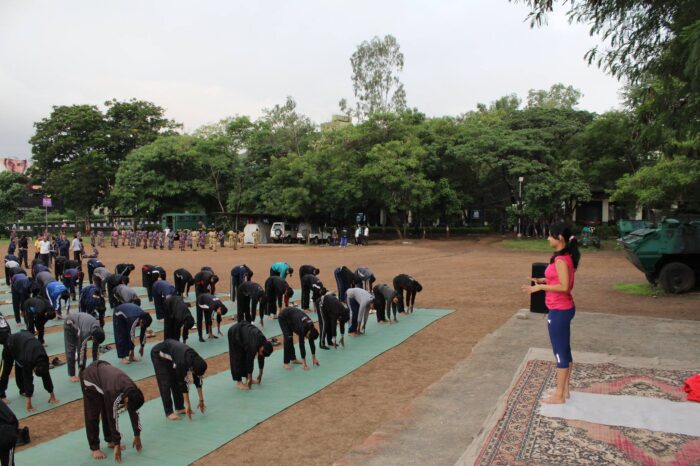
x=520, y=206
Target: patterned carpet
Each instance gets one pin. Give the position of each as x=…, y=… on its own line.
x=523, y=437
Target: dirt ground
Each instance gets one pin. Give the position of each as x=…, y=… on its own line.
x=477, y=277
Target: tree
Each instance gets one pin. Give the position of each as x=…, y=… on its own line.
x=81, y=139
x=637, y=31
x=293, y=130
x=13, y=188
x=392, y=177
x=376, y=84
x=558, y=96
x=159, y=177
x=668, y=184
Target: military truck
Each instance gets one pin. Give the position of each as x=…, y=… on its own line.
x=668, y=255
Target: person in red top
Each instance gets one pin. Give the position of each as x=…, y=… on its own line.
x=557, y=285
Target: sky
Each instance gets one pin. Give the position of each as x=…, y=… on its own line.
x=207, y=60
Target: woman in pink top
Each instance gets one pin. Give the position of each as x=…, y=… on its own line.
x=557, y=285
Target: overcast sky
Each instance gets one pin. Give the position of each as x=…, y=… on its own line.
x=206, y=60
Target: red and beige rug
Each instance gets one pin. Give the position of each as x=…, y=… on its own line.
x=521, y=436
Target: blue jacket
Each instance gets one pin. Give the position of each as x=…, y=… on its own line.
x=53, y=292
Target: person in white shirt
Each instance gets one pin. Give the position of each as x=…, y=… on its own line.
x=45, y=250
x=76, y=247
x=366, y=235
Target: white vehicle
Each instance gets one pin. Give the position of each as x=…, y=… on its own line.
x=283, y=232
x=316, y=234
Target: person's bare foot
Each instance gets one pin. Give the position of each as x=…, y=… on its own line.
x=551, y=392
x=242, y=386
x=98, y=455
x=181, y=411
x=553, y=400
x=74, y=379
x=173, y=417
x=297, y=361
x=287, y=366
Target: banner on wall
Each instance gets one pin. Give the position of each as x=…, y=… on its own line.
x=10, y=164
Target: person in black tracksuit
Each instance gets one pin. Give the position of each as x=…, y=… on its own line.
x=107, y=390
x=9, y=426
x=93, y=302
x=37, y=311
x=183, y=282
x=172, y=362
x=311, y=287
x=411, y=286
x=239, y=275
x=293, y=320
x=149, y=275
x=205, y=281
x=124, y=269
x=246, y=342
x=331, y=313
x=93, y=264
x=345, y=280
x=386, y=301
x=209, y=305
x=59, y=265
x=72, y=279
x=276, y=291
x=178, y=319
x=250, y=294
x=308, y=269
x=28, y=357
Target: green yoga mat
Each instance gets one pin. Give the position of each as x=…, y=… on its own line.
x=232, y=412
x=66, y=391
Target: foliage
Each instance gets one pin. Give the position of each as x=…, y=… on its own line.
x=639, y=289
x=159, y=177
x=77, y=149
x=376, y=85
x=13, y=188
x=557, y=96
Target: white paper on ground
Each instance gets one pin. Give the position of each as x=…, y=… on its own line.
x=630, y=411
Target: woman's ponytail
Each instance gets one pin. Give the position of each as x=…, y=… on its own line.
x=571, y=248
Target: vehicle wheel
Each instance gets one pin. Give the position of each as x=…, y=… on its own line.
x=677, y=278
x=651, y=278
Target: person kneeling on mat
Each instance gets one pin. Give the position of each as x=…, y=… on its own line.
x=173, y=361
x=293, y=320
x=127, y=318
x=245, y=343
x=29, y=357
x=78, y=330
x=106, y=391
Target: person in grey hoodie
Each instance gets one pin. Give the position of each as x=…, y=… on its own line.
x=78, y=330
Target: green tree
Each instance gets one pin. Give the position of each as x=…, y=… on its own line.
x=557, y=96
x=375, y=68
x=392, y=177
x=73, y=139
x=159, y=177
x=13, y=188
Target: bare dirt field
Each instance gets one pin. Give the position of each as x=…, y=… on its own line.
x=477, y=277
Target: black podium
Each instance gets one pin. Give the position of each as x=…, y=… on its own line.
x=537, y=299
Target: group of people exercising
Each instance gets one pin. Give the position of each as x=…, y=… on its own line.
x=40, y=296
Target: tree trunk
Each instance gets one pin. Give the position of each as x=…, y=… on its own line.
x=396, y=226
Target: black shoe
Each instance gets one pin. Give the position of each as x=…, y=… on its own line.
x=202, y=340
x=323, y=347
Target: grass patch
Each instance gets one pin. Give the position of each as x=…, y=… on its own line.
x=639, y=289
x=541, y=245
